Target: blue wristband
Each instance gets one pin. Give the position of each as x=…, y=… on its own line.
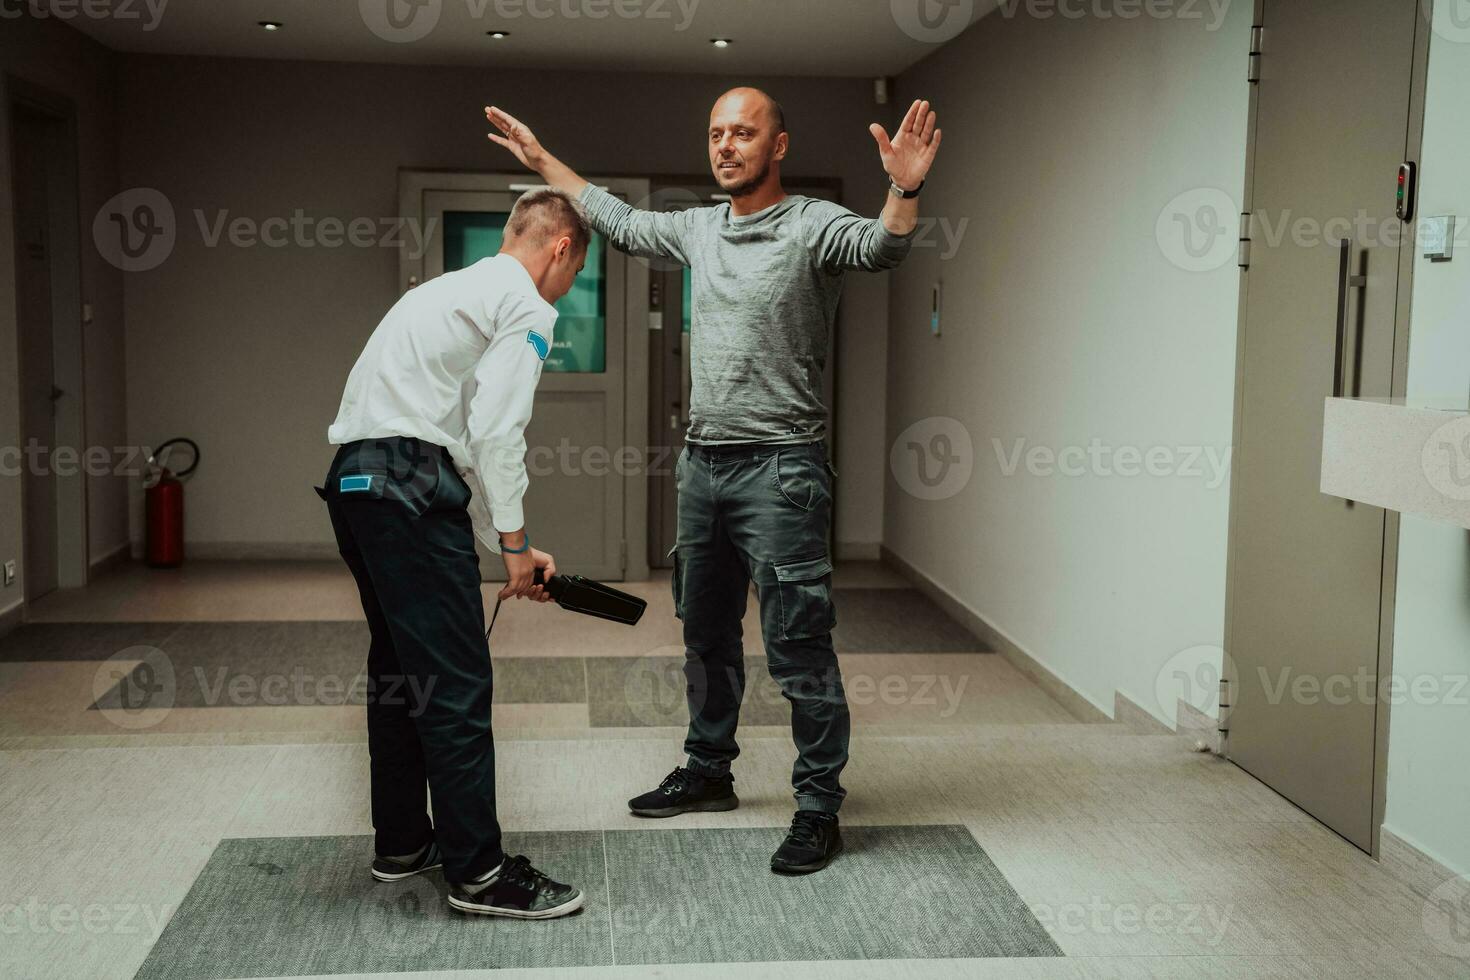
x=517, y=551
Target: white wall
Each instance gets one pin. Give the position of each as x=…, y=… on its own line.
x=1428, y=781
x=52, y=56
x=247, y=350
x=1065, y=322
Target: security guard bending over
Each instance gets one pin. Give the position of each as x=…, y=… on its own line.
x=431, y=431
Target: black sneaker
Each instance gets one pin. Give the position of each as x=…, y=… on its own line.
x=516, y=890
x=396, y=868
x=683, y=791
x=810, y=844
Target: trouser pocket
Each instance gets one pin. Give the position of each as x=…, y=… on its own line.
x=804, y=586
x=677, y=582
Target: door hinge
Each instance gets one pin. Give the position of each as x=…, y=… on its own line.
x=1243, y=257
x=1253, y=71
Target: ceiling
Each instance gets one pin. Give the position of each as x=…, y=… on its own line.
x=853, y=38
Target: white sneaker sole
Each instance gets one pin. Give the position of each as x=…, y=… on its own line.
x=385, y=876
x=565, y=908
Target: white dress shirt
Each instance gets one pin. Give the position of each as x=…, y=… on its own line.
x=455, y=363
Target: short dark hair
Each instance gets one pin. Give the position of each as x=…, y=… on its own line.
x=546, y=213
x=779, y=113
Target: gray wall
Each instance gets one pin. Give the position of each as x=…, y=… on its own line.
x=246, y=349
x=50, y=55
x=1066, y=322
x=1428, y=782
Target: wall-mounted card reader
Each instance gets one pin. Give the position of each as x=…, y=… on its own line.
x=934, y=311
x=1437, y=237
x=1404, y=203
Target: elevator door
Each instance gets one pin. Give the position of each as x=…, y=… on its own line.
x=1332, y=125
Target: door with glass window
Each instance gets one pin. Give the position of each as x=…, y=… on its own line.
x=574, y=445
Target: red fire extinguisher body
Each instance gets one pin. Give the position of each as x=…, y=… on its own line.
x=165, y=507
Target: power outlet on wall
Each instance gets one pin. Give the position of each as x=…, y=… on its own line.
x=10, y=572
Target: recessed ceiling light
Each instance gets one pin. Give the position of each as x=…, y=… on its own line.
x=271, y=25
x=498, y=34
x=720, y=42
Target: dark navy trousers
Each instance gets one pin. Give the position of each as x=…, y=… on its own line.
x=398, y=510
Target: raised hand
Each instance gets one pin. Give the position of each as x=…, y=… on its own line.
x=909, y=155
x=517, y=137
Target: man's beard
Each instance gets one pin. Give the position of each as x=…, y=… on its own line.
x=749, y=186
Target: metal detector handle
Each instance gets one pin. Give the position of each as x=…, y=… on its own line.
x=554, y=588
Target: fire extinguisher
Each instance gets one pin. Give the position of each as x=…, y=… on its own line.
x=164, y=504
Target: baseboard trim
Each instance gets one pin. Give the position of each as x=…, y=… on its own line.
x=1418, y=870
x=12, y=617
x=1196, y=726
x=1080, y=707
x=106, y=562
x=859, y=551
x=1126, y=713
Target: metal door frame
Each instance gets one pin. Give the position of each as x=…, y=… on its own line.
x=73, y=555
x=414, y=184
x=1399, y=384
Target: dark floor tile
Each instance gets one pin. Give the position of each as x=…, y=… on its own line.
x=641, y=692
x=305, y=906
x=81, y=641
x=540, y=680
x=708, y=896
x=263, y=664
x=897, y=621
x=301, y=664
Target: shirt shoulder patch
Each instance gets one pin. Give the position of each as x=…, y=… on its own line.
x=542, y=345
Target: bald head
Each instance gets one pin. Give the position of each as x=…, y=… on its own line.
x=747, y=142
x=750, y=103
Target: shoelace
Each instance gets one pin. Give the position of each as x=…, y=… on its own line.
x=675, y=781
x=518, y=871
x=806, y=829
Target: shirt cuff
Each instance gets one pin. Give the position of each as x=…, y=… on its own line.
x=508, y=519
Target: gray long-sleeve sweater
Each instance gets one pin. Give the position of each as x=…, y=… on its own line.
x=765, y=290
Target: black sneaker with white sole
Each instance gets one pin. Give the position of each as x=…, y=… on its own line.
x=811, y=843
x=398, y=868
x=683, y=791
x=516, y=890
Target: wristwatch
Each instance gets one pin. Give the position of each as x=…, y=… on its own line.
x=897, y=191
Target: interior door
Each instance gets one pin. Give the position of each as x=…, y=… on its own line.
x=574, y=506
x=1332, y=124
x=31, y=139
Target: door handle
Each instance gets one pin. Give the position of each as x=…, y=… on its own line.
x=57, y=394
x=1345, y=281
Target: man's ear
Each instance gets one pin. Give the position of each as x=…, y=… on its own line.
x=783, y=143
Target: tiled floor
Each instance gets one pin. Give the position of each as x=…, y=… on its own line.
x=1137, y=856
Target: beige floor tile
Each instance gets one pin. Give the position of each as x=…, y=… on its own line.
x=93, y=792
x=78, y=905
x=1089, y=779
x=307, y=791
x=208, y=591
x=944, y=689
